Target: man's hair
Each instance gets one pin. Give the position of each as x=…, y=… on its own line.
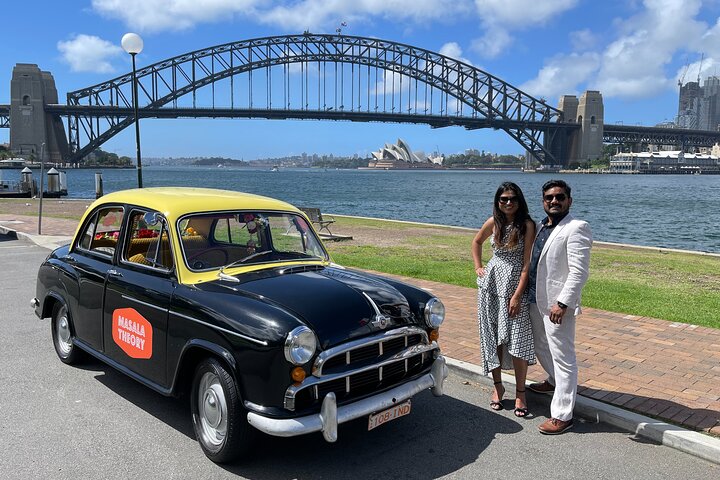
x=557, y=183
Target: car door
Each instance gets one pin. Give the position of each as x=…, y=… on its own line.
x=91, y=259
x=137, y=297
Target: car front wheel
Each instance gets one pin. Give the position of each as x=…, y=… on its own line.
x=63, y=337
x=218, y=416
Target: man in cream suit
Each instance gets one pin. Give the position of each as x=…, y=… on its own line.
x=559, y=268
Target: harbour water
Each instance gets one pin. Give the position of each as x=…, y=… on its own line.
x=671, y=211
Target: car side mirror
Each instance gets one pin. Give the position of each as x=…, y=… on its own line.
x=152, y=218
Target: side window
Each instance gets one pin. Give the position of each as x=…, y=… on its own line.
x=88, y=234
x=148, y=243
x=102, y=231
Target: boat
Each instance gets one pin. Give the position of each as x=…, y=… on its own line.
x=13, y=190
x=275, y=168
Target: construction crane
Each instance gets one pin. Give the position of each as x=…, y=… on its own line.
x=682, y=77
x=702, y=57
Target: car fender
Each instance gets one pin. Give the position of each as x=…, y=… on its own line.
x=192, y=352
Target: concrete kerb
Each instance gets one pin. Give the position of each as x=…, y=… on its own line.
x=694, y=443
x=51, y=242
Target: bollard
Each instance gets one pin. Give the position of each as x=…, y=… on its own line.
x=53, y=182
x=98, y=185
x=26, y=182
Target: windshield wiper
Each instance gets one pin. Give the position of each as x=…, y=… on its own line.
x=236, y=263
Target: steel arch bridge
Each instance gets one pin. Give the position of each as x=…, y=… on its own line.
x=310, y=76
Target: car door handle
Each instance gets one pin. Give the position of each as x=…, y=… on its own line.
x=114, y=273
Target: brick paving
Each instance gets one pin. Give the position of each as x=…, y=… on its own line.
x=667, y=370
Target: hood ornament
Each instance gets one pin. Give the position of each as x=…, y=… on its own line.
x=380, y=321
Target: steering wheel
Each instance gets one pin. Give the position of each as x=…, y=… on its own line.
x=200, y=264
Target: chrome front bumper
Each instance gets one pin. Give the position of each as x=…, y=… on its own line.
x=331, y=415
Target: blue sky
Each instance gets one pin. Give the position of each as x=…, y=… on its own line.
x=633, y=51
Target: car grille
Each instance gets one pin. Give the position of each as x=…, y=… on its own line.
x=366, y=354
x=362, y=367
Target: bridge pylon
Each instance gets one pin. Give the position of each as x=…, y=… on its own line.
x=30, y=91
x=586, y=143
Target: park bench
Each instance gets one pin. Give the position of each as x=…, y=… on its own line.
x=317, y=218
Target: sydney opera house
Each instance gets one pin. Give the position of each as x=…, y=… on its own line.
x=399, y=155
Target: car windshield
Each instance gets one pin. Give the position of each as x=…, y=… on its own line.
x=214, y=240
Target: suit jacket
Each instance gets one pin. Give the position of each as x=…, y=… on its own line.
x=564, y=265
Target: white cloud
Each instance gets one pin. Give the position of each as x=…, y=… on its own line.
x=160, y=15
x=493, y=43
x=582, y=40
x=634, y=64
x=561, y=75
x=88, y=53
x=499, y=18
x=521, y=13
x=327, y=14
x=453, y=50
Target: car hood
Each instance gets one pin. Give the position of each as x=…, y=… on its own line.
x=338, y=304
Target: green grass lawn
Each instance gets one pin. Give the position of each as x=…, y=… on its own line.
x=672, y=286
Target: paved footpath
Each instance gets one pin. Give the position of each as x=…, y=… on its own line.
x=669, y=371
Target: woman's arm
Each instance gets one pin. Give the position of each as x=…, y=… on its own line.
x=477, y=244
x=514, y=306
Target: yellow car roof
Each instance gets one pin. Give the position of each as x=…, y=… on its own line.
x=174, y=202
x=177, y=201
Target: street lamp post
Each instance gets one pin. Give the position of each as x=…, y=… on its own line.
x=133, y=44
x=42, y=187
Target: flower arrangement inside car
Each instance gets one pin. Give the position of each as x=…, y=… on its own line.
x=238, y=304
x=111, y=235
x=146, y=233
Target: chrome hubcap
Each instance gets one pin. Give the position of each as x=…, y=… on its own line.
x=212, y=410
x=62, y=332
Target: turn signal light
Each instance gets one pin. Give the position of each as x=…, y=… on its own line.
x=434, y=335
x=298, y=374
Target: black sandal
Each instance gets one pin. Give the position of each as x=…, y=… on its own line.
x=497, y=406
x=521, y=412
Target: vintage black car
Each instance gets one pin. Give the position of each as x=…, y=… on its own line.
x=233, y=298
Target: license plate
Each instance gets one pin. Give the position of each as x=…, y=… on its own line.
x=396, y=411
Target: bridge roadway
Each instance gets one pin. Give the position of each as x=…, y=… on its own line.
x=624, y=134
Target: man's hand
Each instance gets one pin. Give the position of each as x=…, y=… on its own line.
x=556, y=313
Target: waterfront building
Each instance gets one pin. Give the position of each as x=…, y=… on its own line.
x=669, y=162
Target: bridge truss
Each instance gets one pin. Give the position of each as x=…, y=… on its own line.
x=680, y=137
x=311, y=76
x=4, y=116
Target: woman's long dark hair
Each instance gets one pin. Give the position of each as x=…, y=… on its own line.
x=519, y=222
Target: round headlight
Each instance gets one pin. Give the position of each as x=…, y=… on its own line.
x=300, y=346
x=434, y=313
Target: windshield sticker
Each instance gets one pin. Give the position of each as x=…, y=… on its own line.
x=132, y=333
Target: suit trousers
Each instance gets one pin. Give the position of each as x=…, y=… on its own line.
x=555, y=350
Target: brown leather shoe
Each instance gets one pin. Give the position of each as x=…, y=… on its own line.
x=542, y=387
x=553, y=426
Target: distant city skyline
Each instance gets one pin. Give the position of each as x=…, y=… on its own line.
x=633, y=52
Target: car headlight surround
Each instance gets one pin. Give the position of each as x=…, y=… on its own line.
x=300, y=345
x=434, y=313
